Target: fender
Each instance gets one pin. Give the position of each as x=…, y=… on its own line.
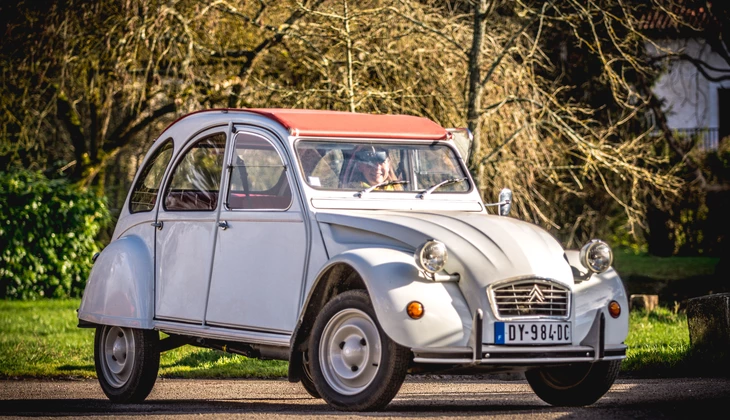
x=393, y=280
x=592, y=296
x=120, y=290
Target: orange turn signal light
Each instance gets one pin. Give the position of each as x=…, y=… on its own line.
x=614, y=309
x=415, y=310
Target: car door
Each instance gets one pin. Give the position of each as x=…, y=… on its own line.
x=186, y=225
x=262, y=243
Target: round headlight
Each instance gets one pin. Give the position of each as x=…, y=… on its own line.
x=431, y=256
x=596, y=256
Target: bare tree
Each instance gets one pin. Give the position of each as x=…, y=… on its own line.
x=533, y=131
x=504, y=69
x=98, y=75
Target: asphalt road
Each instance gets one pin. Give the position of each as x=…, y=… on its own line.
x=446, y=397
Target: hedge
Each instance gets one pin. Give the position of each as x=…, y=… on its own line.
x=48, y=232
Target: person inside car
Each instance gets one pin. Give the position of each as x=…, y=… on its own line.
x=372, y=166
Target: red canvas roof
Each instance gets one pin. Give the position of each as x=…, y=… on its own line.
x=317, y=123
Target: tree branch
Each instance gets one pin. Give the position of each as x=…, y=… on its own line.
x=508, y=45
x=700, y=65
x=278, y=36
x=142, y=124
x=71, y=122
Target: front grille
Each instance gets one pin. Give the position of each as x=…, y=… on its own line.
x=530, y=298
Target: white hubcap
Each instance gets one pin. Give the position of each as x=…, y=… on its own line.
x=117, y=355
x=350, y=351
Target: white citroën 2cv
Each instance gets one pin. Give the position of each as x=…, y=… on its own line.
x=357, y=248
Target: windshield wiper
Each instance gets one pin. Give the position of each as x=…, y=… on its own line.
x=433, y=188
x=382, y=184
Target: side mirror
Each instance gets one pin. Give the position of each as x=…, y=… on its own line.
x=505, y=201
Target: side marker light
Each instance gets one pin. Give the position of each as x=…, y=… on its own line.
x=614, y=309
x=415, y=310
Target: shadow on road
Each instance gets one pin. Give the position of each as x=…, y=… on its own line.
x=309, y=407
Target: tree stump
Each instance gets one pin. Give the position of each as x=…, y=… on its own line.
x=645, y=302
x=708, y=319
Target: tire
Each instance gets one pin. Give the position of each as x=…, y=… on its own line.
x=574, y=385
x=127, y=361
x=306, y=379
x=355, y=365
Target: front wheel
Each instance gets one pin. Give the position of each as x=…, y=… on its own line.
x=127, y=361
x=354, y=364
x=306, y=379
x=574, y=385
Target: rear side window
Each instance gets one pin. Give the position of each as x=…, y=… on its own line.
x=144, y=194
x=196, y=178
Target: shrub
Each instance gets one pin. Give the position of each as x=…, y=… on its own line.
x=695, y=222
x=48, y=234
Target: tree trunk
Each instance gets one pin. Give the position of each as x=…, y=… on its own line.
x=475, y=86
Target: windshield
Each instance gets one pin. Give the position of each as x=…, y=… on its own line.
x=396, y=167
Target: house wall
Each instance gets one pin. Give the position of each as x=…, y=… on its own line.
x=690, y=99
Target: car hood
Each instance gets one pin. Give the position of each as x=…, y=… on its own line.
x=484, y=248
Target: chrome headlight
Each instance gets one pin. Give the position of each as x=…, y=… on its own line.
x=431, y=256
x=596, y=256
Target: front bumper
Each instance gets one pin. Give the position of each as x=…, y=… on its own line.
x=591, y=349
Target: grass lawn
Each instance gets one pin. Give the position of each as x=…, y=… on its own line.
x=674, y=280
x=658, y=344
x=41, y=339
x=628, y=265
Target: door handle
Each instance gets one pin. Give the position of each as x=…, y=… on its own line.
x=223, y=225
x=158, y=225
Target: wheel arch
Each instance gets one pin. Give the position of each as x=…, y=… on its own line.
x=392, y=280
x=338, y=276
x=120, y=289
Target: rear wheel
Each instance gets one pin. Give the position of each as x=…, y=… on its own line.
x=574, y=385
x=355, y=365
x=127, y=361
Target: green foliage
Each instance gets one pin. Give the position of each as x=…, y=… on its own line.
x=48, y=234
x=694, y=223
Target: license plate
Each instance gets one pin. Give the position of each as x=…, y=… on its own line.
x=532, y=332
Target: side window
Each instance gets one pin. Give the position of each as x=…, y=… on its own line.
x=437, y=164
x=144, y=194
x=258, y=176
x=322, y=166
x=197, y=176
